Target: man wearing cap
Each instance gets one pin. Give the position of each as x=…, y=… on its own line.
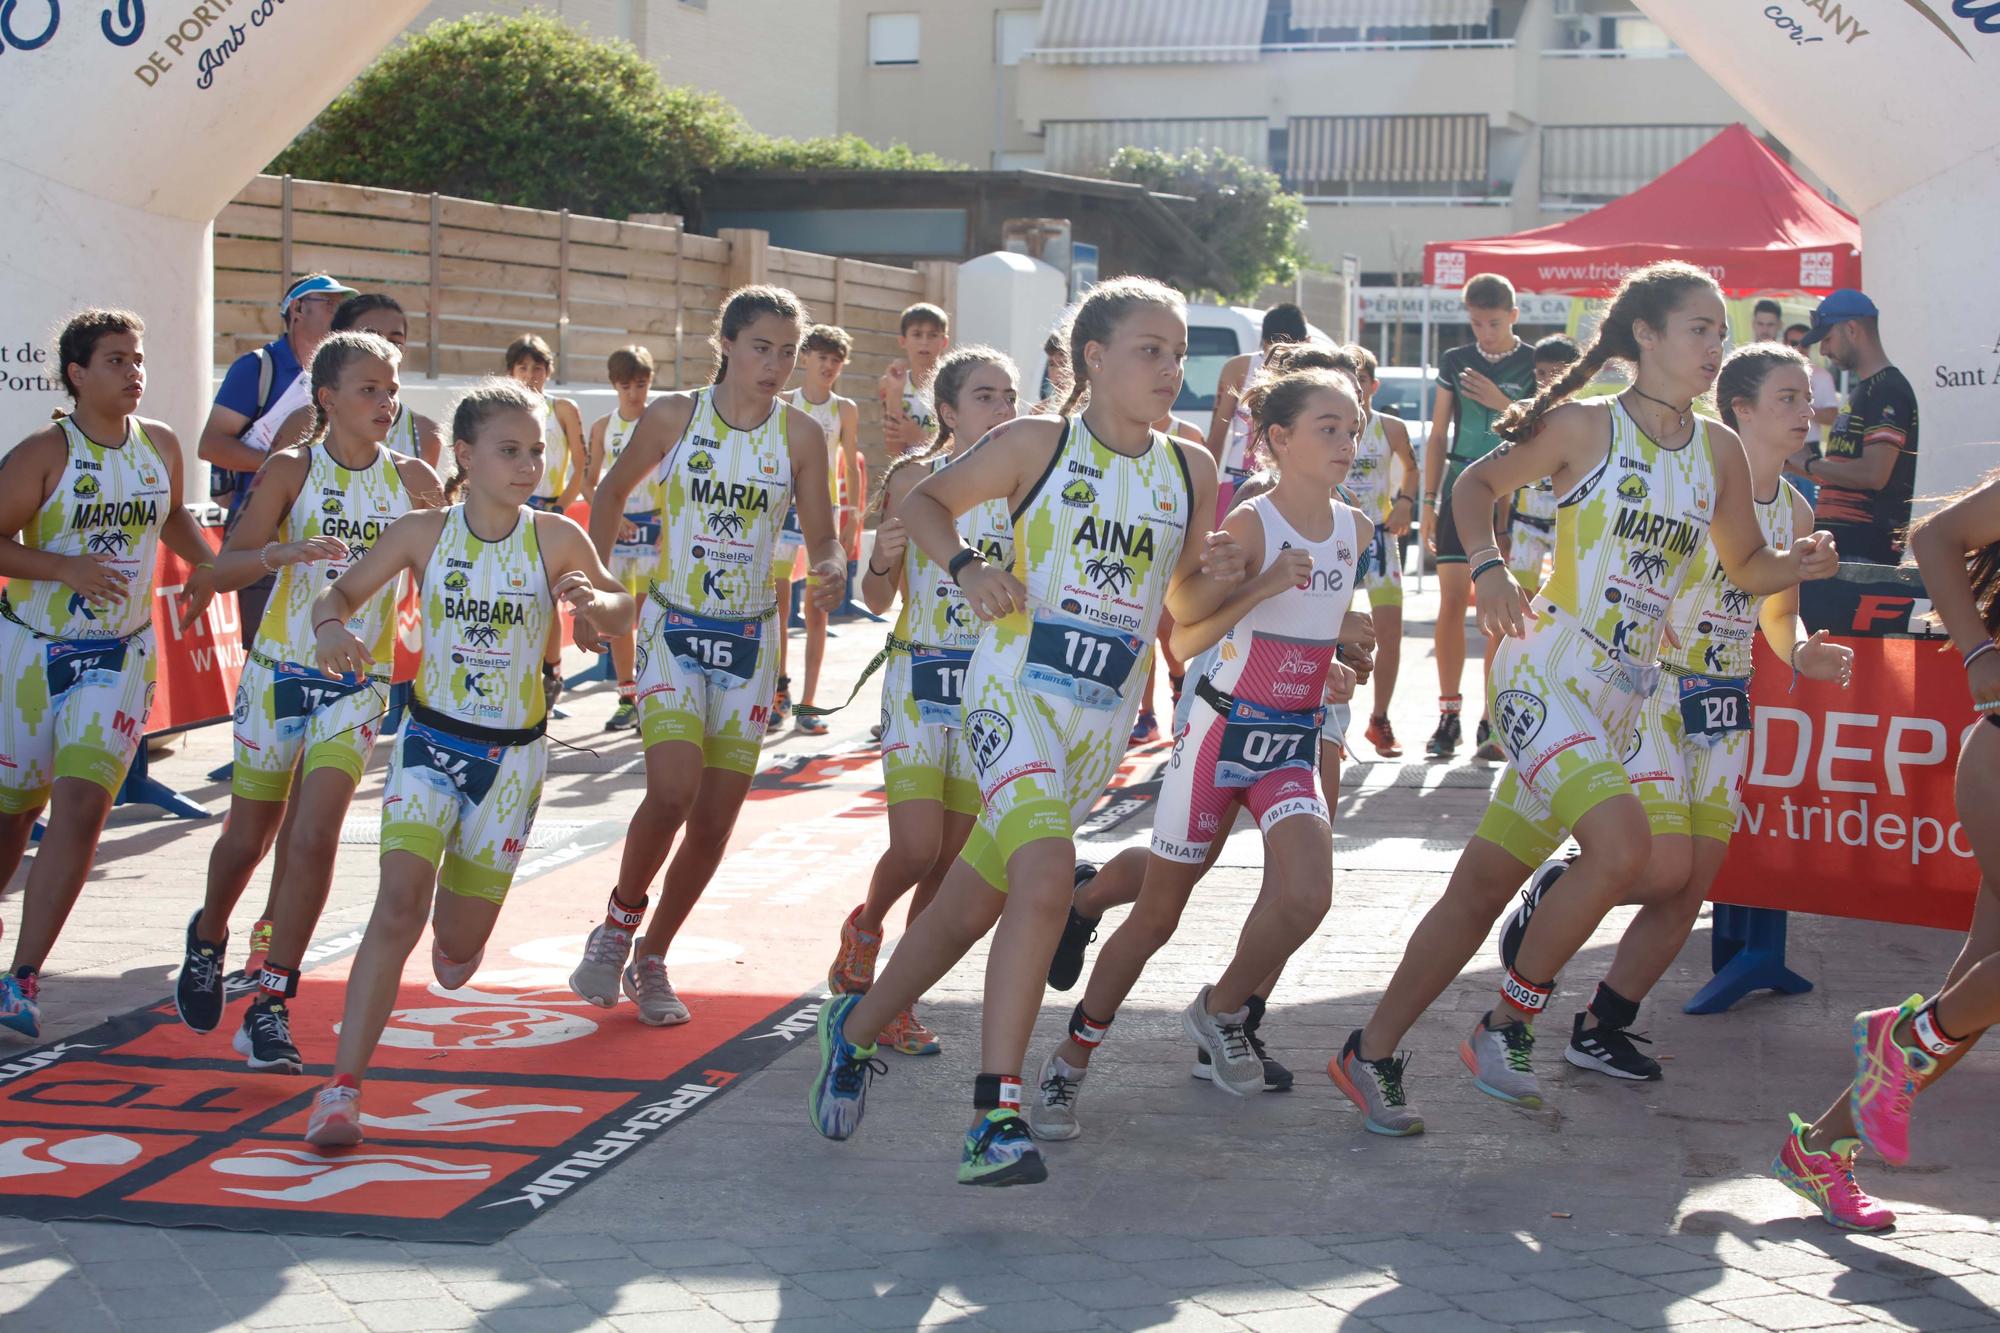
x=259, y=390
x=1867, y=472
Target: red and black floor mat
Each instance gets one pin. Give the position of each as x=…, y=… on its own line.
x=485, y=1105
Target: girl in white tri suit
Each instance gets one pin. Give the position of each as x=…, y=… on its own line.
x=1641, y=482
x=1252, y=739
x=727, y=459
x=466, y=779
x=637, y=549
x=565, y=474
x=933, y=795
x=314, y=510
x=86, y=502
x=1104, y=510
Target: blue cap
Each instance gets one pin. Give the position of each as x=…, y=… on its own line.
x=317, y=285
x=1838, y=307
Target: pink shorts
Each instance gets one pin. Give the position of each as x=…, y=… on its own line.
x=1268, y=768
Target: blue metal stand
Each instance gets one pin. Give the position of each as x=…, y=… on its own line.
x=849, y=609
x=223, y=774
x=141, y=788
x=1747, y=951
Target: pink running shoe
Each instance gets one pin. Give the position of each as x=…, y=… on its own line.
x=260, y=948
x=1826, y=1181
x=336, y=1117
x=1885, y=1080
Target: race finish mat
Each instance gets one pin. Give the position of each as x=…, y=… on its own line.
x=486, y=1105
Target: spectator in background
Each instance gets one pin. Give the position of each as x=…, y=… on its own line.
x=1825, y=407
x=1765, y=317
x=258, y=385
x=1867, y=473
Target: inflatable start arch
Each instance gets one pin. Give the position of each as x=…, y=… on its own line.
x=132, y=122
x=1896, y=104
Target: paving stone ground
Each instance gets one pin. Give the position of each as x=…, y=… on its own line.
x=1619, y=1207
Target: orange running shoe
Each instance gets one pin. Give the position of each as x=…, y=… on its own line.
x=260, y=948
x=853, y=969
x=906, y=1035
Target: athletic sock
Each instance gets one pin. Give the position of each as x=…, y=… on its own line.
x=1521, y=998
x=620, y=917
x=346, y=1081
x=1930, y=1033
x=1086, y=1031
x=1256, y=1007
x=277, y=983
x=1611, y=1009
x=996, y=1092
x=1069, y=1071
x=627, y=691
x=1449, y=704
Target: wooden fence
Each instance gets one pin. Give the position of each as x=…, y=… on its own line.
x=474, y=276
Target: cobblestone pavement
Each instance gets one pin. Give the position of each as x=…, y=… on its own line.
x=1619, y=1207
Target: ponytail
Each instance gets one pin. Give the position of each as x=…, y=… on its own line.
x=1098, y=315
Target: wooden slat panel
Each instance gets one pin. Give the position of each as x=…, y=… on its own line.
x=260, y=190
x=372, y=201
x=462, y=243
x=502, y=218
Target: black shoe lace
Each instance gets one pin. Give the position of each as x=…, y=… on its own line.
x=269, y=1025
x=1256, y=1044
x=1059, y=1091
x=1235, y=1041
x=1389, y=1077
x=853, y=1073
x=1006, y=1129
x=1619, y=1042
x=1520, y=1041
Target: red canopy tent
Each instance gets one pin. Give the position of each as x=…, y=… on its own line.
x=1732, y=207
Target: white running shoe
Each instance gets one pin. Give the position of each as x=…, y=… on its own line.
x=647, y=985
x=604, y=954
x=1501, y=1061
x=1234, y=1065
x=1052, y=1108
x=452, y=975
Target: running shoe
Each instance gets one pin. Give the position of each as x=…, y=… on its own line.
x=1514, y=926
x=875, y=732
x=1885, y=1080
x=839, y=1091
x=1146, y=730
x=1236, y=1068
x=1444, y=742
x=1000, y=1150
x=265, y=1039
x=646, y=985
x=1052, y=1109
x=336, y=1117
x=604, y=952
x=1078, y=933
x=260, y=948
x=1489, y=746
x=1376, y=1089
x=198, y=990
x=781, y=703
x=452, y=975
x=807, y=724
x=1502, y=1062
x=907, y=1035
x=1610, y=1050
x=1826, y=1181
x=853, y=969
x=1277, y=1078
x=20, y=1004
x=1383, y=737
x=625, y=717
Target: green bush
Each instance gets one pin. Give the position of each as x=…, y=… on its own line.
x=1241, y=210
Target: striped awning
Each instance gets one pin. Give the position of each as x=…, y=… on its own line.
x=1605, y=161
x=1083, y=147
x=1137, y=32
x=1332, y=154
x=1365, y=14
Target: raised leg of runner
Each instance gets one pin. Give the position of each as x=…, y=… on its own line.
x=1388, y=654
x=964, y=911
x=815, y=649
x=709, y=824
x=1614, y=840
x=402, y=905
x=1151, y=923
x=1656, y=934
x=1039, y=878
x=916, y=838
x=303, y=876
x=1448, y=639
x=463, y=924
x=674, y=776
x=78, y=808
x=247, y=835
x=1481, y=885
x=1298, y=868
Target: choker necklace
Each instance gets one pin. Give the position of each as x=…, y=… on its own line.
x=1680, y=413
x=1495, y=358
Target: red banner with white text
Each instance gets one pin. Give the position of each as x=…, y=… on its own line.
x=198, y=666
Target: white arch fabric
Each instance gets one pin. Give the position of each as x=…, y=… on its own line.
x=1896, y=103
x=135, y=124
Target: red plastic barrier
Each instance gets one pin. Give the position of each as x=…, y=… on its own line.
x=1848, y=807
x=198, y=667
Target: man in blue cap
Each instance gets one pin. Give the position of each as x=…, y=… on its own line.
x=1867, y=472
x=254, y=387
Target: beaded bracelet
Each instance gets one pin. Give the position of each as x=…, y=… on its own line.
x=1495, y=563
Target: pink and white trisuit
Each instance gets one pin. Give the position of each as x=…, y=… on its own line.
x=1252, y=735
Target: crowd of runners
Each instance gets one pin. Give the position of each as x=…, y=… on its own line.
x=1622, y=549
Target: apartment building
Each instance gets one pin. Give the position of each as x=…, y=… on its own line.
x=773, y=60
x=1399, y=121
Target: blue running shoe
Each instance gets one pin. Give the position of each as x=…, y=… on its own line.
x=1000, y=1150
x=20, y=1007
x=841, y=1089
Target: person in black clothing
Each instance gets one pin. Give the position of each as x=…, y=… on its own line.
x=1867, y=473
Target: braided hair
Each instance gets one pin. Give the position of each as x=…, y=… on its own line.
x=330, y=361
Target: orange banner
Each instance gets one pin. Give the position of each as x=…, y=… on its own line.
x=198, y=667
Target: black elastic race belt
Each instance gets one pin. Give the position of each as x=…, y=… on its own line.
x=472, y=731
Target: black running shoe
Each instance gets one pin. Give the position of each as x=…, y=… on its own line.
x=1489, y=747
x=265, y=1039
x=1610, y=1051
x=1444, y=741
x=1514, y=928
x=198, y=991
x=1078, y=932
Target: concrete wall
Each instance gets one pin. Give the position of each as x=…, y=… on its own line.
x=957, y=101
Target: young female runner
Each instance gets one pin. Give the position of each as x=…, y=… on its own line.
x=1641, y=481
x=706, y=666
x=1901, y=1051
x=87, y=500
x=467, y=775
x=933, y=796
x=313, y=511
x=1102, y=507
x=565, y=472
x=1252, y=738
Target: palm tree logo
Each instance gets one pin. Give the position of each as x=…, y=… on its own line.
x=482, y=636
x=115, y=542
x=1736, y=601
x=1647, y=565
x=726, y=523
x=1109, y=575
